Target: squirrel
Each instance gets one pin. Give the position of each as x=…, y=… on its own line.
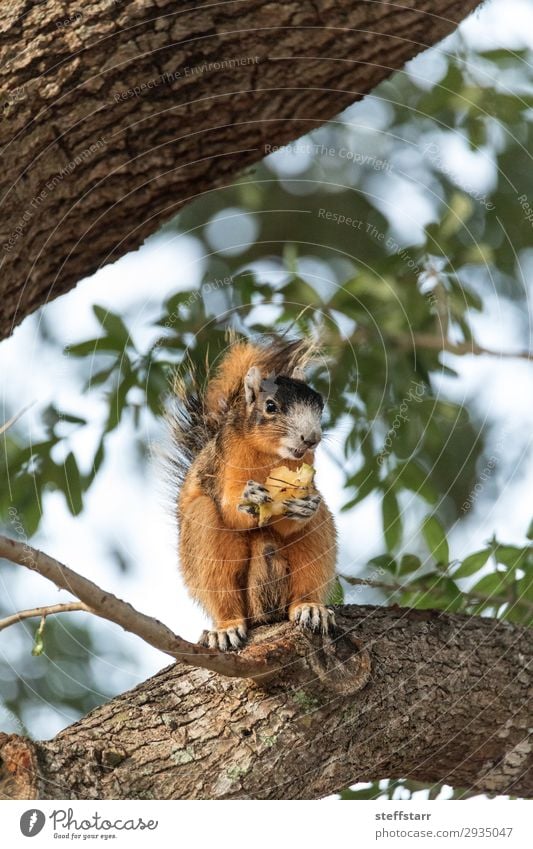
x=256, y=410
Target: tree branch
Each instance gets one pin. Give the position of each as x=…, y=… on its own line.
x=127, y=114
x=449, y=700
x=155, y=633
x=439, y=343
x=10, y=422
x=48, y=610
x=475, y=598
x=432, y=342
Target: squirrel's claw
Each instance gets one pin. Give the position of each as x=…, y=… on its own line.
x=302, y=508
x=251, y=509
x=256, y=493
x=316, y=617
x=224, y=639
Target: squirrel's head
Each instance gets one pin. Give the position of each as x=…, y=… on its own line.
x=282, y=413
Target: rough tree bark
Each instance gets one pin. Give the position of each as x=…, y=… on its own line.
x=90, y=168
x=448, y=699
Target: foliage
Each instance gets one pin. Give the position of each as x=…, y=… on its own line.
x=47, y=679
x=496, y=581
x=403, y=789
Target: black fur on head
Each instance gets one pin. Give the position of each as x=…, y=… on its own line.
x=285, y=392
x=284, y=412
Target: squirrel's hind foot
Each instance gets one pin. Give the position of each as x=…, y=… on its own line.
x=316, y=617
x=224, y=639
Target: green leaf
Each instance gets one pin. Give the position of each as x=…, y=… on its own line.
x=412, y=477
x=472, y=564
x=300, y=292
x=67, y=417
x=98, y=377
x=337, y=593
x=369, y=480
x=173, y=303
x=113, y=325
x=493, y=584
x=453, y=596
x=409, y=563
x=529, y=533
x=372, y=792
x=73, y=489
x=435, y=538
x=104, y=344
x=511, y=556
x=66, y=477
x=385, y=562
x=51, y=416
x=392, y=522
x=38, y=644
x=117, y=399
x=415, y=598
x=96, y=464
x=434, y=591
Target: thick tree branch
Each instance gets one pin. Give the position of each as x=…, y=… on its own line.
x=265, y=660
x=449, y=700
x=117, y=115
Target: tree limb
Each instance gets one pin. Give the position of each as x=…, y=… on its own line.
x=435, y=342
x=449, y=700
x=48, y=610
x=116, y=117
x=439, y=343
x=264, y=661
x=10, y=422
x=394, y=586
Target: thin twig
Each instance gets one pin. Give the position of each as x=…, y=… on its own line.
x=368, y=582
x=15, y=418
x=433, y=342
x=392, y=587
x=49, y=610
x=439, y=343
x=108, y=606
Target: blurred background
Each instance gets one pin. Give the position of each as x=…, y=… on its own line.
x=401, y=233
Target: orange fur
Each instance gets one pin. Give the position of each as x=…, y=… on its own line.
x=240, y=573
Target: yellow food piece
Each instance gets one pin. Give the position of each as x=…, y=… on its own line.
x=284, y=484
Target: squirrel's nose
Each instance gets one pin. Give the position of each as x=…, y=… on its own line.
x=311, y=440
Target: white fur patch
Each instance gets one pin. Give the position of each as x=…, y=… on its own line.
x=304, y=421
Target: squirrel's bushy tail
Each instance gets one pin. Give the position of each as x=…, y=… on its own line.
x=200, y=406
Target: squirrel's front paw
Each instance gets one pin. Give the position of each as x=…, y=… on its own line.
x=302, y=508
x=254, y=494
x=224, y=639
x=316, y=617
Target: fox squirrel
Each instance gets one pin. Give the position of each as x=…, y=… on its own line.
x=255, y=412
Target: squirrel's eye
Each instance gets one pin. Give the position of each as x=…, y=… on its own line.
x=270, y=407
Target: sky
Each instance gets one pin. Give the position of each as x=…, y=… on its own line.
x=133, y=513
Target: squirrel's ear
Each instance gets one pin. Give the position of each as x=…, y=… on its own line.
x=298, y=374
x=252, y=384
